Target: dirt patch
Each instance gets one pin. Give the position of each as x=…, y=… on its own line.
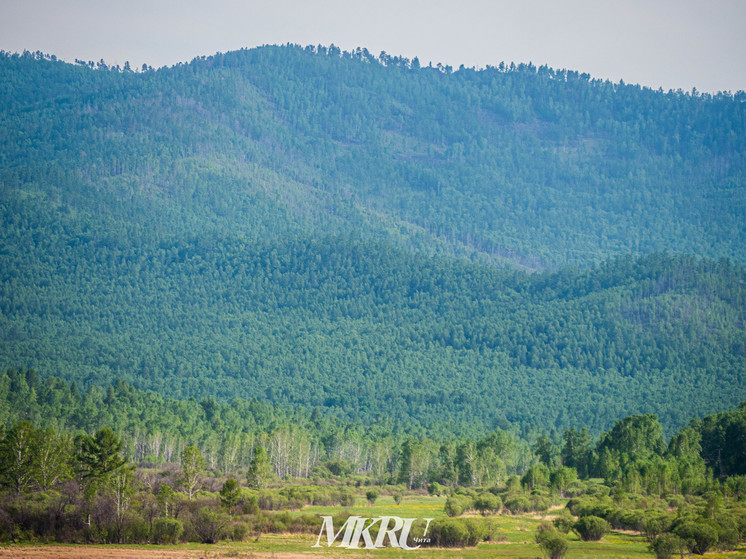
x=111, y=552
x=92, y=552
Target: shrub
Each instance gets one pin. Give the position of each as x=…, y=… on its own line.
x=239, y=532
x=728, y=530
x=210, y=525
x=398, y=498
x=340, y=467
x=656, y=525
x=487, y=502
x=666, y=545
x=371, y=495
x=564, y=522
x=539, y=503
x=518, y=504
x=347, y=499
x=698, y=535
x=552, y=543
x=448, y=533
x=167, y=530
x=591, y=528
x=249, y=505
x=632, y=520
x=454, y=506
x=451, y=532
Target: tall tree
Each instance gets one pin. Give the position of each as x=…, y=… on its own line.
x=193, y=465
x=99, y=455
x=260, y=470
x=16, y=456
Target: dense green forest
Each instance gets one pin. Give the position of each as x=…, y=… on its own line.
x=352, y=233
x=369, y=331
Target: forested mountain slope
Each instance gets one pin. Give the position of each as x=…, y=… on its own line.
x=370, y=330
x=536, y=166
x=318, y=228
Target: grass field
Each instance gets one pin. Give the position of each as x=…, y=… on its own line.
x=515, y=539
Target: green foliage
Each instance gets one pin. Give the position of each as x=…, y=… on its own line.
x=553, y=544
x=16, y=456
x=698, y=536
x=591, y=528
x=210, y=525
x=230, y=493
x=666, y=546
x=564, y=522
x=372, y=496
x=518, y=504
x=167, y=530
x=454, y=532
x=536, y=477
x=562, y=478
x=455, y=505
x=193, y=466
x=99, y=455
x=347, y=499
x=260, y=470
x=723, y=437
x=487, y=502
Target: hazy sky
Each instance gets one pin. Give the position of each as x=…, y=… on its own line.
x=659, y=43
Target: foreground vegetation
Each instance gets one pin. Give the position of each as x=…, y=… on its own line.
x=72, y=486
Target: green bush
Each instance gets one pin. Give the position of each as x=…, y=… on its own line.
x=699, y=536
x=591, y=528
x=487, y=502
x=371, y=495
x=631, y=520
x=666, y=545
x=210, y=525
x=552, y=543
x=347, y=499
x=454, y=506
x=564, y=522
x=655, y=525
x=167, y=530
x=728, y=530
x=239, y=531
x=539, y=503
x=451, y=532
x=518, y=504
x=448, y=533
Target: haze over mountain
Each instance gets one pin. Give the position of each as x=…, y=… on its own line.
x=335, y=229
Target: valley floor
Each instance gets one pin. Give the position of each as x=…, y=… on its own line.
x=289, y=546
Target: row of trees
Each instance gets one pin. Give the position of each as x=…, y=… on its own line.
x=633, y=456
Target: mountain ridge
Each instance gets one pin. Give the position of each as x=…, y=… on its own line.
x=530, y=166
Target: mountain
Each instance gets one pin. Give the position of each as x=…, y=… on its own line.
x=521, y=164
x=363, y=234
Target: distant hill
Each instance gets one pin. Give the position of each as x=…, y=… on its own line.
x=522, y=164
x=313, y=227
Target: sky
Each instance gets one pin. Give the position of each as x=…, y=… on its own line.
x=657, y=43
